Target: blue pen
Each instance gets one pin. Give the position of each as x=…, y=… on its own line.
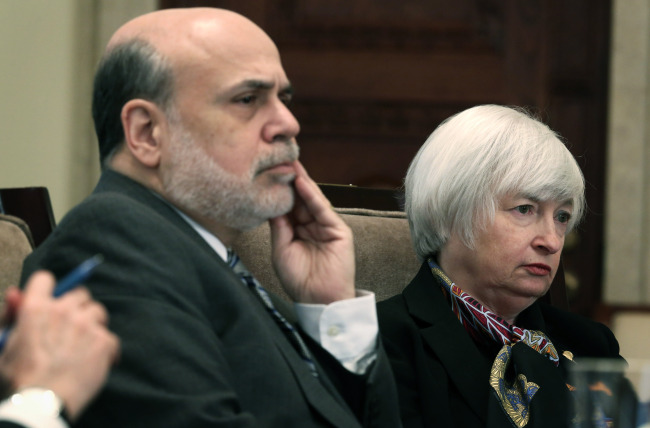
x=78, y=275
x=70, y=281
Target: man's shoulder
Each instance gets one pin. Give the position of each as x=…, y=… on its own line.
x=118, y=200
x=117, y=191
x=115, y=219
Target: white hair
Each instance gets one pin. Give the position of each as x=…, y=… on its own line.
x=475, y=158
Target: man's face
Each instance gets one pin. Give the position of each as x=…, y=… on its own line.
x=199, y=185
x=232, y=139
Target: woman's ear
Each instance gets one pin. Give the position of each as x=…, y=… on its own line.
x=143, y=123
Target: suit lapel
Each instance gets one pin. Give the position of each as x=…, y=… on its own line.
x=320, y=393
x=444, y=335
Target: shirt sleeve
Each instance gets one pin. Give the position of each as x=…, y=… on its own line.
x=29, y=417
x=347, y=329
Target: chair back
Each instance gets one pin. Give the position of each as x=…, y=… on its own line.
x=16, y=243
x=385, y=259
x=26, y=219
x=33, y=206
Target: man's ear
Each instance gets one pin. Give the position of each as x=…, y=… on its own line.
x=144, y=126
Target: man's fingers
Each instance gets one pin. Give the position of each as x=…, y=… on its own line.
x=114, y=347
x=281, y=231
x=40, y=283
x=312, y=203
x=98, y=313
x=77, y=297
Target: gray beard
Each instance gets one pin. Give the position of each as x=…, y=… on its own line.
x=196, y=183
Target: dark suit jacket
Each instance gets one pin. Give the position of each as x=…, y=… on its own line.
x=442, y=375
x=198, y=348
x=5, y=424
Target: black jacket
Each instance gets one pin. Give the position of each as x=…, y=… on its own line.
x=442, y=375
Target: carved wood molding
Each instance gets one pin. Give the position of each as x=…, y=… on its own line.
x=388, y=25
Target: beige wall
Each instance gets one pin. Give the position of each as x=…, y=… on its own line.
x=37, y=102
x=627, y=220
x=48, y=51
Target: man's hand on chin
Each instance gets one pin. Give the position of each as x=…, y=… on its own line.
x=312, y=247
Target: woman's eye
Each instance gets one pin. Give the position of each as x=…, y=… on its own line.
x=524, y=209
x=563, y=217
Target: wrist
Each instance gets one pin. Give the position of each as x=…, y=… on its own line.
x=327, y=296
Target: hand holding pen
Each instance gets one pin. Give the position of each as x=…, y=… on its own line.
x=77, y=276
x=58, y=344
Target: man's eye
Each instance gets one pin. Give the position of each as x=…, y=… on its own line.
x=248, y=99
x=524, y=209
x=286, y=100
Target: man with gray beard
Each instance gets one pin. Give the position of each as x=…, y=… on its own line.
x=197, y=144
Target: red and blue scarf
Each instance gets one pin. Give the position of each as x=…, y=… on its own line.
x=482, y=324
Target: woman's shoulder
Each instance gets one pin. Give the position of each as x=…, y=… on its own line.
x=586, y=336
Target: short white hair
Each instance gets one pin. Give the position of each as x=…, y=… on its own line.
x=472, y=160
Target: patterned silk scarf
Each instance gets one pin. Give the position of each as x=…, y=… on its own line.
x=483, y=325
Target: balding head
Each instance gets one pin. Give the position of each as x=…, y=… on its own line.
x=151, y=55
x=172, y=31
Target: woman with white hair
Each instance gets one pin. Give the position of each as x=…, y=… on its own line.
x=490, y=197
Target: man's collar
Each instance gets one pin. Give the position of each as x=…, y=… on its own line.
x=211, y=239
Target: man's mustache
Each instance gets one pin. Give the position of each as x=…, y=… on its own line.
x=286, y=154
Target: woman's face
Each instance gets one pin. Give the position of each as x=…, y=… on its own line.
x=514, y=259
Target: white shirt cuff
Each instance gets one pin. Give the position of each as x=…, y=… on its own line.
x=347, y=329
x=27, y=416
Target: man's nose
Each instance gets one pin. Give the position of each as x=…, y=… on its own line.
x=282, y=125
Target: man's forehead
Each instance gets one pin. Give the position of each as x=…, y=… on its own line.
x=234, y=65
